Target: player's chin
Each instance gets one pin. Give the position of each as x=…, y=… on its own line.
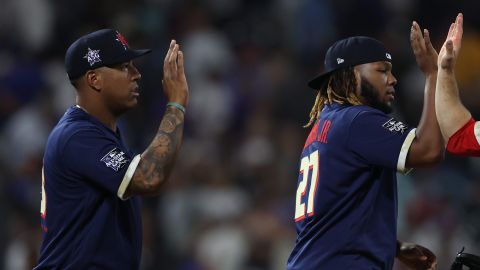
x=132, y=103
x=386, y=107
x=389, y=104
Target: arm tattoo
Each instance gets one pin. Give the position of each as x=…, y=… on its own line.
x=158, y=159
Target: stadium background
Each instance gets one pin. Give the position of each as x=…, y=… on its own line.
x=229, y=204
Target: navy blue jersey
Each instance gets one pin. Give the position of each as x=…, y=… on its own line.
x=346, y=201
x=87, y=223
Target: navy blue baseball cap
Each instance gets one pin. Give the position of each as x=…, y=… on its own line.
x=100, y=48
x=350, y=52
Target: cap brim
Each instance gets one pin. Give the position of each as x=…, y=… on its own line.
x=317, y=82
x=130, y=55
x=138, y=53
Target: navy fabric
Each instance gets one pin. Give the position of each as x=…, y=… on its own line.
x=86, y=225
x=352, y=224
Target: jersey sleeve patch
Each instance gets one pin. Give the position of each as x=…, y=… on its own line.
x=393, y=125
x=103, y=161
x=379, y=139
x=115, y=159
x=465, y=142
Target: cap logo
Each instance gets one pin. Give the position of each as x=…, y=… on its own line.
x=93, y=56
x=122, y=40
x=388, y=56
x=340, y=60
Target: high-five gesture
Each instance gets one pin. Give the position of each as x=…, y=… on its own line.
x=451, y=46
x=158, y=159
x=428, y=140
x=422, y=47
x=174, y=81
x=451, y=113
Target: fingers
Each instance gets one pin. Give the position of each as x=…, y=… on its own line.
x=458, y=33
x=173, y=56
x=167, y=67
x=428, y=42
x=180, y=63
x=173, y=63
x=419, y=42
x=459, y=24
x=415, y=37
x=450, y=30
x=169, y=52
x=456, y=28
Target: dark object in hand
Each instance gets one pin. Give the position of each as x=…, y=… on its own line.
x=465, y=259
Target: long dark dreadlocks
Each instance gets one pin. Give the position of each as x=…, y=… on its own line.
x=339, y=88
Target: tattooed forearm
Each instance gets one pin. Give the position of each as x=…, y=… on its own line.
x=158, y=159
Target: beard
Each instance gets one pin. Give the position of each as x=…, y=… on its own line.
x=372, y=98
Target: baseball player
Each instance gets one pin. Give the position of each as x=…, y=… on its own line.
x=90, y=209
x=459, y=128
x=346, y=197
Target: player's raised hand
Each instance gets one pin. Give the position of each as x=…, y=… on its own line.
x=451, y=47
x=416, y=257
x=422, y=47
x=174, y=81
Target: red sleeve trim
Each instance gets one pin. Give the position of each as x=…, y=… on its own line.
x=464, y=142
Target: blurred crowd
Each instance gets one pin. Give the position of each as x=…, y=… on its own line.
x=229, y=202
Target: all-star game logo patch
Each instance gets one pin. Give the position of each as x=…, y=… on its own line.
x=93, y=56
x=395, y=126
x=115, y=159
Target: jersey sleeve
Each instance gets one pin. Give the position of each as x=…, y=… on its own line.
x=381, y=140
x=465, y=142
x=99, y=160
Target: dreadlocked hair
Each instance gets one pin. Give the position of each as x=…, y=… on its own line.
x=339, y=88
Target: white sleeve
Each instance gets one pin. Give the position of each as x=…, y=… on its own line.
x=402, y=157
x=128, y=177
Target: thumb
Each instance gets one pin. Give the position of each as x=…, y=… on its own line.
x=447, y=61
x=449, y=47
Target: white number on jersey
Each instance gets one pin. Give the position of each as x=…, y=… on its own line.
x=308, y=163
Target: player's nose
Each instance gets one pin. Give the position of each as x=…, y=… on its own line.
x=136, y=75
x=392, y=80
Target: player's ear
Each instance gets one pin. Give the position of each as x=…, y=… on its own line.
x=94, y=79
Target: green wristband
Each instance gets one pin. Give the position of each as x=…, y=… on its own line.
x=177, y=105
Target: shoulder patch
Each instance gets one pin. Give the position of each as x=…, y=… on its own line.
x=115, y=159
x=395, y=126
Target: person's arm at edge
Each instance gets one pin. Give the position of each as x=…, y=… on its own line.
x=427, y=147
x=157, y=161
x=451, y=113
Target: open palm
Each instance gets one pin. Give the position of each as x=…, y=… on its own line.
x=449, y=52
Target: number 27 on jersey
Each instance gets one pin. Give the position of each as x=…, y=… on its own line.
x=309, y=172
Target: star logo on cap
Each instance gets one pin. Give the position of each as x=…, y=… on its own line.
x=388, y=56
x=340, y=60
x=93, y=56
